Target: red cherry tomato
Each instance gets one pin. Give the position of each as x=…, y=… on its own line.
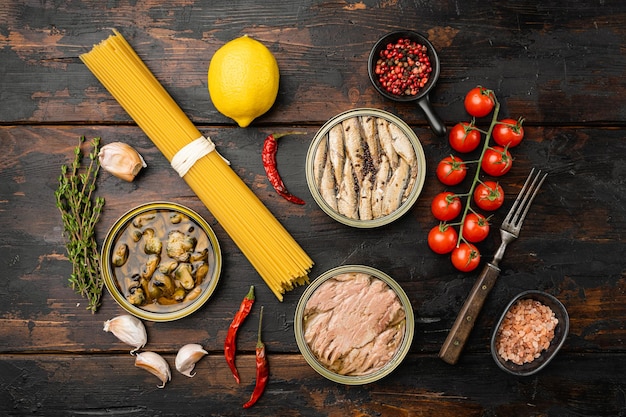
x=464, y=137
x=442, y=238
x=446, y=206
x=479, y=101
x=508, y=132
x=489, y=195
x=475, y=227
x=451, y=170
x=497, y=161
x=465, y=257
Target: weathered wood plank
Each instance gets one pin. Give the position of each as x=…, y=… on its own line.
x=64, y=385
x=550, y=61
x=571, y=243
x=558, y=64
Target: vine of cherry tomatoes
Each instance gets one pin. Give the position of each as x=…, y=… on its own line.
x=462, y=226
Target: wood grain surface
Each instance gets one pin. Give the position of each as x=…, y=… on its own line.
x=560, y=65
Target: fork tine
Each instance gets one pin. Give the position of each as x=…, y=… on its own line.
x=524, y=199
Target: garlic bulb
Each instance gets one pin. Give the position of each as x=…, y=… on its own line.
x=155, y=364
x=121, y=160
x=129, y=329
x=187, y=357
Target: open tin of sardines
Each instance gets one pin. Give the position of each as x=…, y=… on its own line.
x=354, y=324
x=365, y=168
x=161, y=261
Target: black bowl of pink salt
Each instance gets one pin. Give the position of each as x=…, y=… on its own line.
x=529, y=334
x=403, y=66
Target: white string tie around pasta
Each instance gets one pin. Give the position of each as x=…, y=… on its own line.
x=187, y=156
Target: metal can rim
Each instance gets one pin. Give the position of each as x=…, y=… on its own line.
x=417, y=187
x=108, y=276
x=400, y=354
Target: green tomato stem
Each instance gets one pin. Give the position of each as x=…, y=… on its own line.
x=476, y=180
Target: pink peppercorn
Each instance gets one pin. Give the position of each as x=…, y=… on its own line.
x=403, y=67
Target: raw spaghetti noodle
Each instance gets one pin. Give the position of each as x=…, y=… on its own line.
x=271, y=250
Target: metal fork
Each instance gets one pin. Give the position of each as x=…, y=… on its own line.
x=509, y=231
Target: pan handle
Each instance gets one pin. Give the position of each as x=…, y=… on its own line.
x=433, y=118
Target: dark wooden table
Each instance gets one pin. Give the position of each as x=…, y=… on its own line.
x=560, y=65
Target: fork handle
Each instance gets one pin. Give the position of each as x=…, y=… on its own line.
x=460, y=331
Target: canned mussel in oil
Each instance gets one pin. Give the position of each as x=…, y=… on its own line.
x=354, y=324
x=161, y=261
x=365, y=168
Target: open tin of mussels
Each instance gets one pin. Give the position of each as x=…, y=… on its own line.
x=161, y=261
x=365, y=168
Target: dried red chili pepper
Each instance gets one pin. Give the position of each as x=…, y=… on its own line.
x=270, y=148
x=230, y=344
x=262, y=369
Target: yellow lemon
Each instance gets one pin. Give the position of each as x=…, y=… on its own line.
x=243, y=80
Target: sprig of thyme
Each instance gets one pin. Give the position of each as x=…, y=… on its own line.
x=80, y=212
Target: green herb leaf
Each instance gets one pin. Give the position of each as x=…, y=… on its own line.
x=80, y=213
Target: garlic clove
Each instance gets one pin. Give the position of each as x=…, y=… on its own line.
x=129, y=329
x=155, y=364
x=187, y=357
x=121, y=160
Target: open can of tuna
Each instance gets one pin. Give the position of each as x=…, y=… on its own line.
x=365, y=168
x=354, y=324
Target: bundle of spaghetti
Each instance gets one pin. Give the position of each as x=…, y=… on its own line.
x=269, y=247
